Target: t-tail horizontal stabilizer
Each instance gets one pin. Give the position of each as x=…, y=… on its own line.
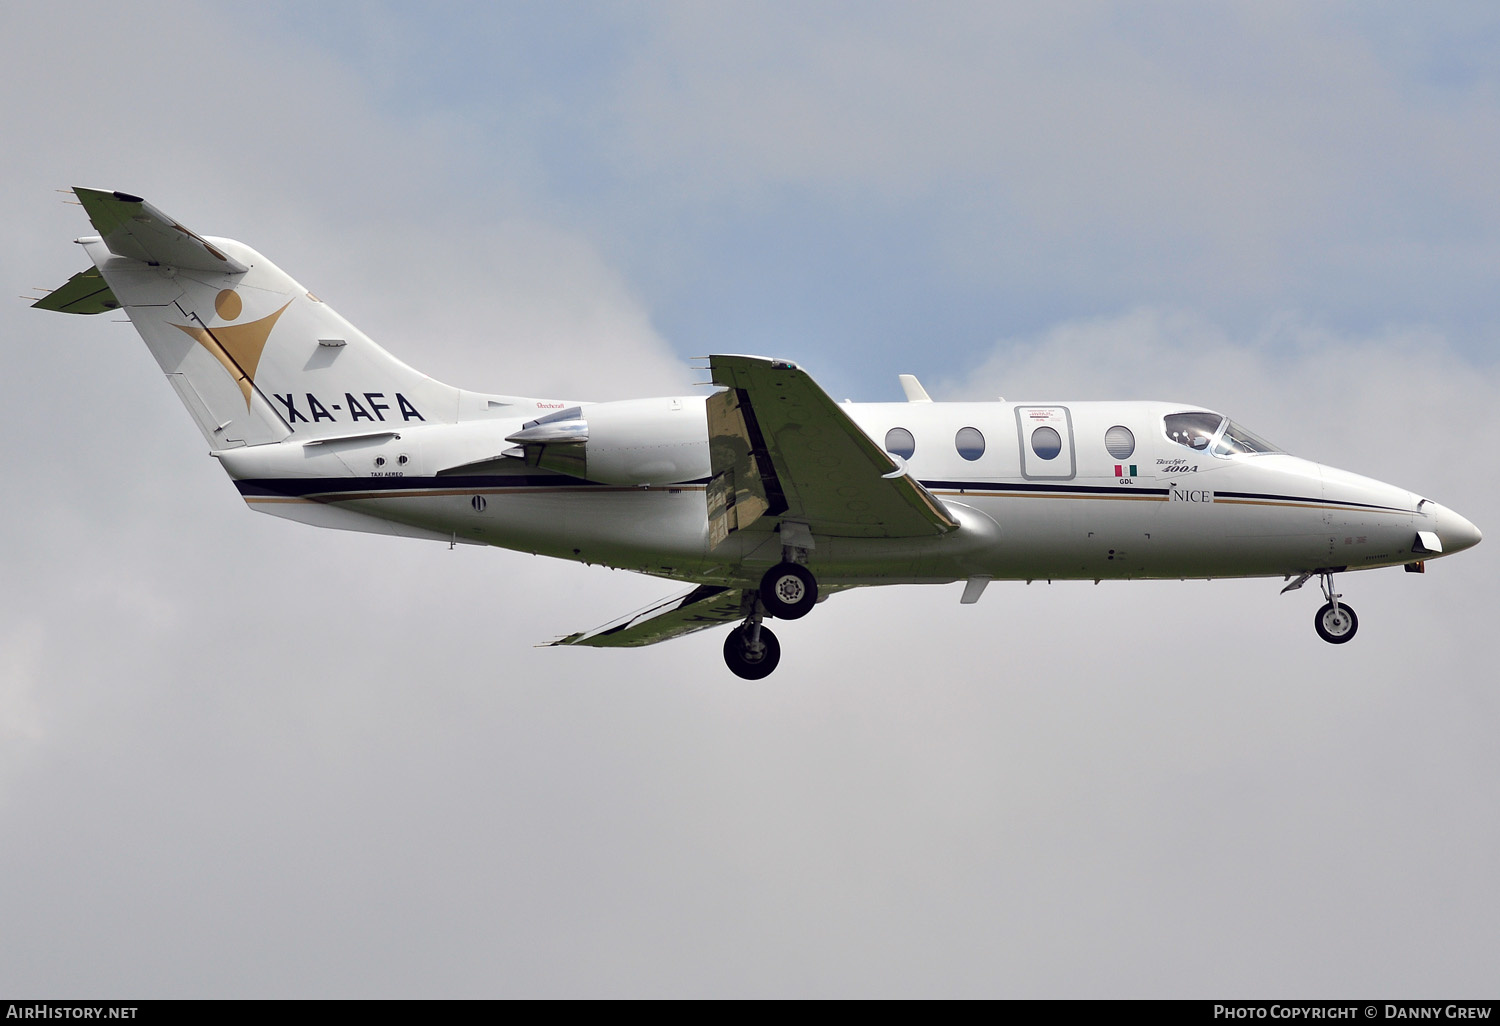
x=134, y=229
x=84, y=293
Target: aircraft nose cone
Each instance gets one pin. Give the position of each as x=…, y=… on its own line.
x=1456, y=532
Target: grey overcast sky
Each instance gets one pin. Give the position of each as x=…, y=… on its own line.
x=241, y=757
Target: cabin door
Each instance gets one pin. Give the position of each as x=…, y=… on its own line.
x=1046, y=436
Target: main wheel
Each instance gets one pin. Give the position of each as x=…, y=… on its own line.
x=1336, y=625
x=788, y=591
x=751, y=662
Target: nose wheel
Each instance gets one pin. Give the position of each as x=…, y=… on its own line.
x=1335, y=622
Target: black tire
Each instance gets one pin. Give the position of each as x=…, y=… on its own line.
x=788, y=591
x=745, y=664
x=1336, y=626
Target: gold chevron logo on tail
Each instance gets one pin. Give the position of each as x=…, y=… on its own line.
x=236, y=346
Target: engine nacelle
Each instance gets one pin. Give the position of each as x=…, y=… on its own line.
x=631, y=442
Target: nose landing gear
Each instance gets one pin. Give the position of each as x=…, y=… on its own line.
x=1335, y=622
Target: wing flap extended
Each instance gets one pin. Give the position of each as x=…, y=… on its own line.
x=134, y=229
x=784, y=442
x=704, y=607
x=743, y=487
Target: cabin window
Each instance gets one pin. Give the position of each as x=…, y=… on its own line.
x=1046, y=442
x=899, y=442
x=1120, y=442
x=970, y=443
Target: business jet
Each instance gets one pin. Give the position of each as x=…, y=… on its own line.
x=766, y=495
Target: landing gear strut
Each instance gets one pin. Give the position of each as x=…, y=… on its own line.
x=751, y=651
x=1335, y=622
x=788, y=590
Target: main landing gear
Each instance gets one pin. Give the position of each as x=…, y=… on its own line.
x=1334, y=622
x=787, y=591
x=751, y=651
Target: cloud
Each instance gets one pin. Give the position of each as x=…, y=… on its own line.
x=1248, y=157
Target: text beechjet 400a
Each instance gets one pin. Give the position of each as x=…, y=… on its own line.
x=766, y=495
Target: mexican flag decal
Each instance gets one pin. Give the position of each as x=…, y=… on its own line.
x=1122, y=470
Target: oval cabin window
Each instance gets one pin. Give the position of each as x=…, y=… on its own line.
x=970, y=443
x=1046, y=442
x=1120, y=442
x=899, y=442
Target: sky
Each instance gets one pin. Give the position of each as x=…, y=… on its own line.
x=241, y=757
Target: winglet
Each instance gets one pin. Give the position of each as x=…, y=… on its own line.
x=134, y=229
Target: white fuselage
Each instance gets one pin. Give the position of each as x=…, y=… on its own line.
x=1164, y=511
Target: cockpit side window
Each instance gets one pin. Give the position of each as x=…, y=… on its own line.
x=1216, y=433
x=1194, y=430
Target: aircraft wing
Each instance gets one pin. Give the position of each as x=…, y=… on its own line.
x=703, y=607
x=780, y=446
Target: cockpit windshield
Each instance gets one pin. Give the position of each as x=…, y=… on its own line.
x=1218, y=434
x=1235, y=438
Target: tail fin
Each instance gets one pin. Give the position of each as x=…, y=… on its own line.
x=252, y=354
